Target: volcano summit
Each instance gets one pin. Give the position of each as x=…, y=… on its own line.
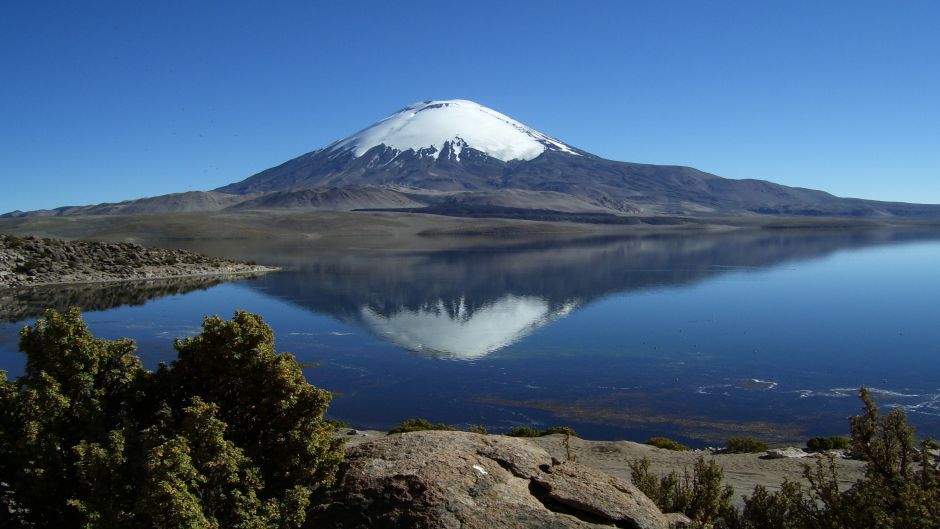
x=457, y=157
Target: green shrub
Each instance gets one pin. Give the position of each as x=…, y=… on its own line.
x=668, y=444
x=745, y=445
x=229, y=435
x=827, y=443
x=524, y=431
x=477, y=428
x=418, y=425
x=900, y=489
x=563, y=430
x=700, y=495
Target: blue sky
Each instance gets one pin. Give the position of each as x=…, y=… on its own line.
x=104, y=101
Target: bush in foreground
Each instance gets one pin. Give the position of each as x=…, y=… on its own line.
x=901, y=487
x=700, y=494
x=229, y=435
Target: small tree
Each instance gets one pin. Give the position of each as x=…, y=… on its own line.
x=901, y=487
x=699, y=495
x=230, y=435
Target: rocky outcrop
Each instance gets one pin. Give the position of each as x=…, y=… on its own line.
x=785, y=453
x=32, y=261
x=466, y=480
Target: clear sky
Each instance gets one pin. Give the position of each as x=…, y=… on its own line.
x=110, y=100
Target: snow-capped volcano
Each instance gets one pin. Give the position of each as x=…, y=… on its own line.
x=456, y=157
x=427, y=127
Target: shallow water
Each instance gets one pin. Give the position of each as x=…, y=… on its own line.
x=698, y=337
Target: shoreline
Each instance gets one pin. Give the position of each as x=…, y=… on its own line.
x=31, y=262
x=259, y=269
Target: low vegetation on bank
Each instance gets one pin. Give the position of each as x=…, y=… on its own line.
x=422, y=425
x=900, y=489
x=745, y=445
x=666, y=443
x=418, y=425
x=821, y=444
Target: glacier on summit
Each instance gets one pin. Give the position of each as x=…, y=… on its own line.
x=428, y=125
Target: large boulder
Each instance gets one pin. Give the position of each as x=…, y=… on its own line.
x=466, y=480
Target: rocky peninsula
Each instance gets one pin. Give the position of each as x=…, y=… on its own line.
x=33, y=261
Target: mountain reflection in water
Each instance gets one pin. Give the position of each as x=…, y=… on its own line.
x=468, y=303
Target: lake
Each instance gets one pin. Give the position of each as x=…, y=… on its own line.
x=694, y=336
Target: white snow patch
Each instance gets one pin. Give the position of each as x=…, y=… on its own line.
x=462, y=123
x=480, y=469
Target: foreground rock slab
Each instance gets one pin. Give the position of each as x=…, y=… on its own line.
x=466, y=480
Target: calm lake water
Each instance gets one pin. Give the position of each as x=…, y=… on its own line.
x=697, y=337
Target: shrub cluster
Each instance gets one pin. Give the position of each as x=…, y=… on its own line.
x=745, y=445
x=699, y=494
x=818, y=444
x=900, y=489
x=229, y=435
x=525, y=431
x=418, y=425
x=668, y=444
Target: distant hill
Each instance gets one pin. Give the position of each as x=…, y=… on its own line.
x=172, y=203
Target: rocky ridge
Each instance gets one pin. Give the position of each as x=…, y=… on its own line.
x=32, y=261
x=464, y=480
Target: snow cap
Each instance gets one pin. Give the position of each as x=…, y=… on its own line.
x=459, y=122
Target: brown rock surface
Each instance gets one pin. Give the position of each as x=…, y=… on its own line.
x=32, y=261
x=467, y=480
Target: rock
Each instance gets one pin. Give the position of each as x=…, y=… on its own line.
x=465, y=480
x=49, y=261
x=785, y=453
x=678, y=521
